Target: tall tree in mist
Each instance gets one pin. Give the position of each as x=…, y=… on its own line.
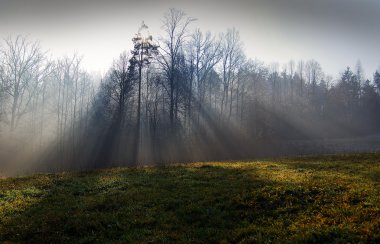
x=232, y=57
x=23, y=69
x=72, y=98
x=142, y=55
x=205, y=52
x=175, y=26
x=114, y=108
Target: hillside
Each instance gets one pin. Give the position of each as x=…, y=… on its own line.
x=327, y=198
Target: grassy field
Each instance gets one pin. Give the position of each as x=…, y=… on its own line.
x=313, y=199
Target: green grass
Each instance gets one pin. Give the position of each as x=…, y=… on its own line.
x=312, y=199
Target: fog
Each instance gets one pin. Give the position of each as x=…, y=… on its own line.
x=183, y=95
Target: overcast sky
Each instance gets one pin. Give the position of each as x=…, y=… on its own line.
x=334, y=32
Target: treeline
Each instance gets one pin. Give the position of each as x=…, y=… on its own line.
x=189, y=95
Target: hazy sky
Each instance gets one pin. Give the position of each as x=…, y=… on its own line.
x=334, y=32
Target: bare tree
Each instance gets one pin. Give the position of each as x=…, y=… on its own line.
x=232, y=56
x=291, y=77
x=67, y=75
x=301, y=70
x=205, y=53
x=23, y=69
x=120, y=83
x=175, y=25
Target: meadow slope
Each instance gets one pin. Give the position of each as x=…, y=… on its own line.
x=315, y=199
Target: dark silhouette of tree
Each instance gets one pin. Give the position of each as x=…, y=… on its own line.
x=175, y=26
x=142, y=54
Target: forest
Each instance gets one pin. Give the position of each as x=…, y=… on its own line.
x=207, y=121
x=188, y=95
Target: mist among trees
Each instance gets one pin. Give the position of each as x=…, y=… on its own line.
x=187, y=95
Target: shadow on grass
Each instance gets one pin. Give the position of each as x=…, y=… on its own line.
x=201, y=203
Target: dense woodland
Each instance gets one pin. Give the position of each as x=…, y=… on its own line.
x=183, y=96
